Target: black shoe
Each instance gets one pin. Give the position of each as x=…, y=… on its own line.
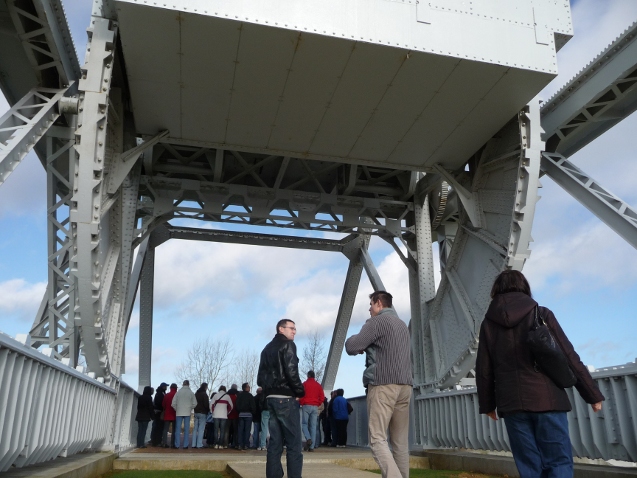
x=311, y=450
x=308, y=444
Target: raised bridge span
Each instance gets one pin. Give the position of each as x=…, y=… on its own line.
x=411, y=121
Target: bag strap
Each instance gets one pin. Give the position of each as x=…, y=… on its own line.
x=219, y=399
x=538, y=313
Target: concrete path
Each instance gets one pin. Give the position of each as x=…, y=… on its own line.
x=310, y=470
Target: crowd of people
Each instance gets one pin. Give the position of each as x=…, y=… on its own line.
x=235, y=419
x=510, y=385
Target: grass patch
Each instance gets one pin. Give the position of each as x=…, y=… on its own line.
x=165, y=474
x=420, y=473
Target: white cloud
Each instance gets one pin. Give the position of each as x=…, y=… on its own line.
x=588, y=257
x=600, y=353
x=20, y=298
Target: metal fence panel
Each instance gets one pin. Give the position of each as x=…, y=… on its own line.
x=48, y=409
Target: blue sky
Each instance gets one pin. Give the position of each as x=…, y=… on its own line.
x=579, y=267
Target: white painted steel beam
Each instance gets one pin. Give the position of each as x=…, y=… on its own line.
x=24, y=124
x=615, y=213
x=100, y=132
x=597, y=98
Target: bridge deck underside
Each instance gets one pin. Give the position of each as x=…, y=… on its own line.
x=281, y=91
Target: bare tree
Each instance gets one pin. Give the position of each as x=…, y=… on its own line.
x=244, y=369
x=314, y=356
x=207, y=361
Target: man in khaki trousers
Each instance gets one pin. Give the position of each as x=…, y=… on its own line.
x=388, y=377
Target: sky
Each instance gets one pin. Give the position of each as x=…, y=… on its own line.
x=579, y=267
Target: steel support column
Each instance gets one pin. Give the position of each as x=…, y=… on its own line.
x=146, y=318
x=55, y=323
x=352, y=281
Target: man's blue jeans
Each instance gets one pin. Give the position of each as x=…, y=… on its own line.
x=186, y=422
x=265, y=427
x=540, y=444
x=256, y=435
x=310, y=416
x=245, y=424
x=200, y=426
x=219, y=431
x=284, y=425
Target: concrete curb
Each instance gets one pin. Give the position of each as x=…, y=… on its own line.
x=504, y=465
x=83, y=465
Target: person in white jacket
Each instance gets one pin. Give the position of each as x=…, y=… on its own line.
x=183, y=402
x=220, y=406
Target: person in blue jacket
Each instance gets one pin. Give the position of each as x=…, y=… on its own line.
x=341, y=409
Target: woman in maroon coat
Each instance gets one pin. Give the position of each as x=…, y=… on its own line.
x=533, y=407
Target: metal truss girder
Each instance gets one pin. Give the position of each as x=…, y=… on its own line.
x=345, y=308
x=24, y=124
x=247, y=205
x=42, y=28
x=227, y=166
x=600, y=96
x=610, y=209
x=256, y=239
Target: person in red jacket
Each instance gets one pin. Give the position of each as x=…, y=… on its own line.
x=314, y=396
x=170, y=415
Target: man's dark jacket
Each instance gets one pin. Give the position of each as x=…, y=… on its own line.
x=203, y=402
x=245, y=403
x=279, y=369
x=505, y=373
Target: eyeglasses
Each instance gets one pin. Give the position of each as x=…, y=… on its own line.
x=292, y=328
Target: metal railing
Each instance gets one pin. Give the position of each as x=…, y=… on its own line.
x=450, y=419
x=48, y=409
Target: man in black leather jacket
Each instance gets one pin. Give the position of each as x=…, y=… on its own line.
x=282, y=386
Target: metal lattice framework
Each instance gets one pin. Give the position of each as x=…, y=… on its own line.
x=298, y=121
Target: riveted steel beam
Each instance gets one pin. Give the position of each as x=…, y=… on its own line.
x=597, y=98
x=615, y=213
x=24, y=124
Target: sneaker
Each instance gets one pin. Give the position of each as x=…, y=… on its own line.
x=224, y=447
x=258, y=448
x=216, y=447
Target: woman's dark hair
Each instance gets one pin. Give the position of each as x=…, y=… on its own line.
x=222, y=388
x=510, y=281
x=148, y=390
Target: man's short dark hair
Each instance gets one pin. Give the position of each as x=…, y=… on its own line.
x=282, y=323
x=245, y=386
x=340, y=392
x=382, y=296
x=311, y=374
x=222, y=388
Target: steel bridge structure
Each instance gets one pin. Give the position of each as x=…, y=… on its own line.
x=412, y=121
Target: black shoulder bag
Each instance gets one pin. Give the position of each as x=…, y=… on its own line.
x=549, y=357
